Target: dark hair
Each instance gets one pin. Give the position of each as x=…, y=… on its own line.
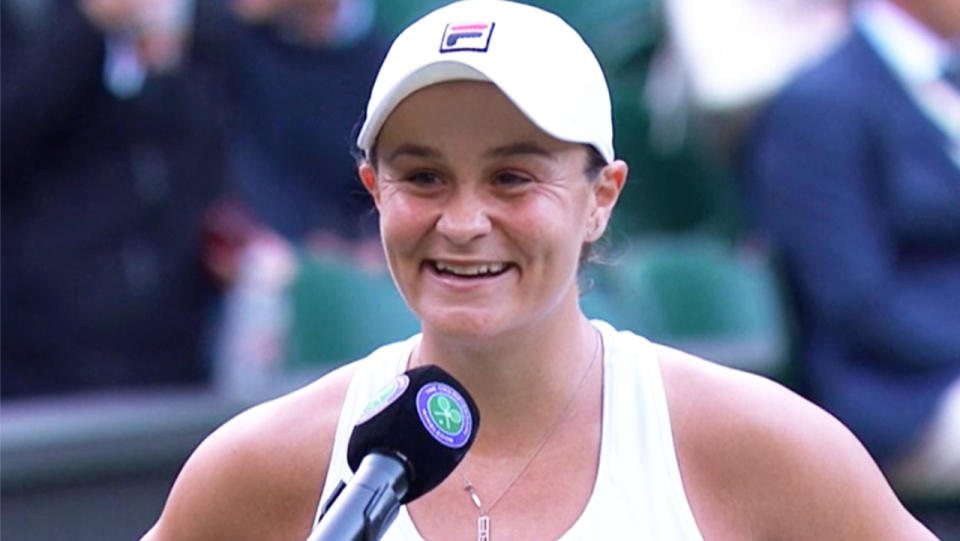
x=359, y=156
x=595, y=163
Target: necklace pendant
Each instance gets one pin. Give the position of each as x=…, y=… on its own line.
x=474, y=496
x=483, y=528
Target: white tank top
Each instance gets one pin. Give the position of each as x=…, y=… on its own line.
x=638, y=492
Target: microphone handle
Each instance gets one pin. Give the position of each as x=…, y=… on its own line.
x=368, y=504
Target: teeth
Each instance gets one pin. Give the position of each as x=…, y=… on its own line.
x=470, y=270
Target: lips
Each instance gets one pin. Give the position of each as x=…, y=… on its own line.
x=470, y=270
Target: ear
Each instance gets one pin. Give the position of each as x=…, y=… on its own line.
x=368, y=176
x=606, y=191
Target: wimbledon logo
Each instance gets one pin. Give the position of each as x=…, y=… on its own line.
x=445, y=414
x=384, y=397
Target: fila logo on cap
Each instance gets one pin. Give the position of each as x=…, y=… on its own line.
x=466, y=37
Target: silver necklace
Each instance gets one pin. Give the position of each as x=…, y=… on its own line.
x=483, y=520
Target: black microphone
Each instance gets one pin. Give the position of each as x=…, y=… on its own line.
x=408, y=439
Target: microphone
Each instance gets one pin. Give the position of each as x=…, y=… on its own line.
x=408, y=439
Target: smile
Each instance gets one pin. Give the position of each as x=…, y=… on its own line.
x=473, y=270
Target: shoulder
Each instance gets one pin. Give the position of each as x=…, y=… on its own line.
x=833, y=97
x=758, y=459
x=837, y=79
x=259, y=476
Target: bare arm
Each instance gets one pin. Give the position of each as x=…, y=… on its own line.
x=259, y=476
x=760, y=462
x=825, y=485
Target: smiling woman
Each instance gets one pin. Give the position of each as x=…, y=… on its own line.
x=483, y=227
x=488, y=151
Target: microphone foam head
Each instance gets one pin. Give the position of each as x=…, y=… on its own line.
x=427, y=418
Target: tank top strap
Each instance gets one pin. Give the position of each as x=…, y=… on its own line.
x=638, y=454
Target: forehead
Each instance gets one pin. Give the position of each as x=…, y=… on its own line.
x=462, y=112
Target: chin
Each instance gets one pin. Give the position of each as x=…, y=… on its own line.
x=464, y=324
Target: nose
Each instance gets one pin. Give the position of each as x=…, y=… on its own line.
x=464, y=217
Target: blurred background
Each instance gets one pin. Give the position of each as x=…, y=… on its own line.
x=183, y=233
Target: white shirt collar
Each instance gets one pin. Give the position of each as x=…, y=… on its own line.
x=914, y=52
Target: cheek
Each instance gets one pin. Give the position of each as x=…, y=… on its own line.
x=402, y=222
x=549, y=228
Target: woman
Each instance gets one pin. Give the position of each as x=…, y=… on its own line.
x=490, y=161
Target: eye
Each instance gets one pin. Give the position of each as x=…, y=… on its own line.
x=510, y=179
x=423, y=178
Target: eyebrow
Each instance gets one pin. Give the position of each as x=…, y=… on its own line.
x=514, y=149
x=416, y=151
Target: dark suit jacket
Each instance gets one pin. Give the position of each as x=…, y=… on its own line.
x=858, y=190
x=102, y=201
x=291, y=112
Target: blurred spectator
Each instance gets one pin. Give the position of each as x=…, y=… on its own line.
x=293, y=76
x=108, y=164
x=854, y=169
x=735, y=53
x=724, y=59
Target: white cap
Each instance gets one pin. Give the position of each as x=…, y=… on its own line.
x=535, y=58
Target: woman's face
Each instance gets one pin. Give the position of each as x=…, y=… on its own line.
x=482, y=214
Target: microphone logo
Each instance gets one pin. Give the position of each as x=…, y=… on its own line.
x=384, y=397
x=445, y=414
